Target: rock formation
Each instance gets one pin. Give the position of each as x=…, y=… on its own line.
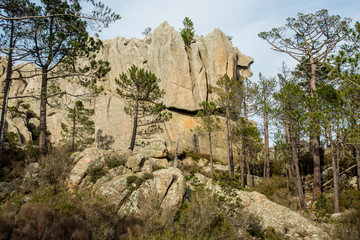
x=162, y=192
x=186, y=73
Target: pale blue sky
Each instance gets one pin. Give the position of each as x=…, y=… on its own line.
x=242, y=19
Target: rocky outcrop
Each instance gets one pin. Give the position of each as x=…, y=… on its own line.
x=187, y=75
x=282, y=219
x=133, y=189
x=148, y=190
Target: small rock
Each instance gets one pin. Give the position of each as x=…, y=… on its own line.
x=6, y=188
x=135, y=162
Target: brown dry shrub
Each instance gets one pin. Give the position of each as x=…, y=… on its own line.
x=36, y=221
x=55, y=166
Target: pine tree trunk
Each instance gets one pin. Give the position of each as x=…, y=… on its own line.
x=248, y=177
x=6, y=87
x=266, y=148
x=242, y=165
x=317, y=167
x=358, y=165
x=73, y=130
x=43, y=103
x=295, y=158
x=133, y=136
x=335, y=175
x=288, y=153
x=229, y=143
x=211, y=155
x=315, y=136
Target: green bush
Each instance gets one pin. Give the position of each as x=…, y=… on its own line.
x=349, y=198
x=192, y=155
x=147, y=175
x=202, y=216
x=25, y=105
x=114, y=162
x=270, y=234
x=276, y=190
x=133, y=179
x=227, y=182
x=269, y=187
x=96, y=172
x=321, y=207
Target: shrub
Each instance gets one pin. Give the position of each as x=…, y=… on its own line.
x=114, y=162
x=96, y=172
x=147, y=175
x=227, y=183
x=50, y=165
x=270, y=233
x=25, y=105
x=349, y=198
x=133, y=179
x=276, y=190
x=321, y=207
x=202, y=216
x=347, y=227
x=193, y=155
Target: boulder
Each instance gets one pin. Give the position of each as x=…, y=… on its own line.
x=161, y=162
x=164, y=192
x=145, y=196
x=353, y=182
x=135, y=162
x=6, y=188
x=91, y=157
x=154, y=148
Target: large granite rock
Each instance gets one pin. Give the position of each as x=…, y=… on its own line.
x=187, y=74
x=162, y=191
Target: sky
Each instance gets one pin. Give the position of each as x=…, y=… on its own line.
x=242, y=19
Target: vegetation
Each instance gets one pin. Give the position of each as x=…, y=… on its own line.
x=113, y=162
x=46, y=39
x=140, y=88
x=314, y=37
x=315, y=108
x=210, y=123
x=188, y=32
x=230, y=97
x=82, y=128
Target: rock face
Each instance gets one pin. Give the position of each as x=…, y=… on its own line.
x=145, y=192
x=132, y=189
x=187, y=74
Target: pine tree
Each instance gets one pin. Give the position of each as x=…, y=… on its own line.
x=291, y=111
x=188, y=32
x=14, y=40
x=210, y=123
x=263, y=104
x=251, y=142
x=81, y=129
x=60, y=40
x=314, y=37
x=230, y=95
x=140, y=87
